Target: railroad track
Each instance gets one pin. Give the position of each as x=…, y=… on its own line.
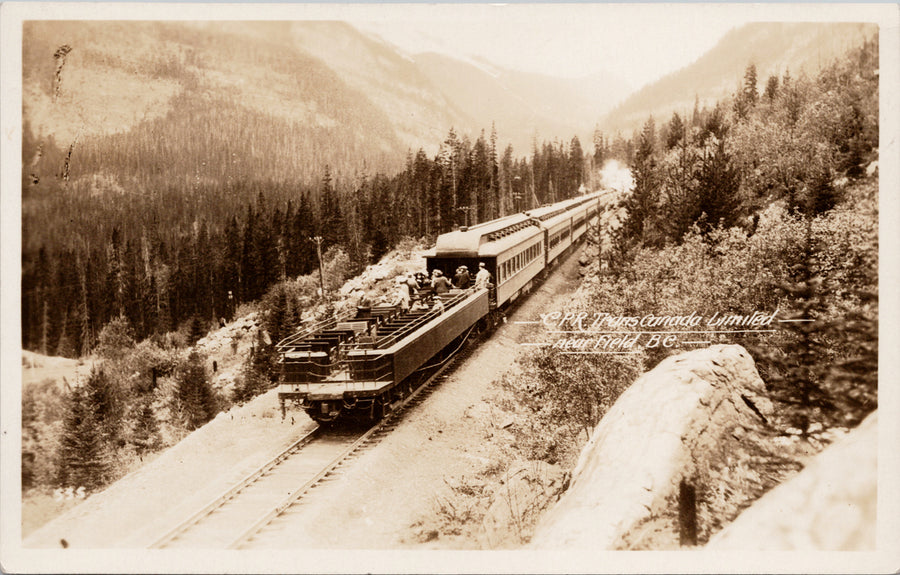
x=237, y=517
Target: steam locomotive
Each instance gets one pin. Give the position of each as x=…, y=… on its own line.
x=358, y=366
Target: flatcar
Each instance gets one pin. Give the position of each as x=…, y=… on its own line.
x=361, y=364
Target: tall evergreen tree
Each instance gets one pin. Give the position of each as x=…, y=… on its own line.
x=146, y=437
x=717, y=187
x=195, y=396
x=231, y=262
x=85, y=458
x=248, y=286
x=331, y=221
x=575, y=167
x=640, y=205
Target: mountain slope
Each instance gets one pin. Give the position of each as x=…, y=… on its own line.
x=238, y=101
x=522, y=104
x=420, y=114
x=774, y=48
x=197, y=101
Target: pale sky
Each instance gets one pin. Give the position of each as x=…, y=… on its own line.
x=639, y=42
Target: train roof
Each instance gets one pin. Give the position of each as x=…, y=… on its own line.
x=467, y=241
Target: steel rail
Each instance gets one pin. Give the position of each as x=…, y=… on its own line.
x=221, y=500
x=297, y=494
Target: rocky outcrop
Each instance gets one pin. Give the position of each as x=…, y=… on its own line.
x=658, y=433
x=830, y=505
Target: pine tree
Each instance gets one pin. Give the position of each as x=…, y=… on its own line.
x=331, y=221
x=750, y=92
x=638, y=225
x=813, y=382
x=574, y=167
x=145, y=437
x=85, y=459
x=717, y=186
x=197, y=332
x=675, y=131
x=264, y=247
x=231, y=263
x=771, y=88
x=276, y=312
x=248, y=288
x=599, y=149
x=745, y=99
x=92, y=429
x=305, y=224
x=195, y=396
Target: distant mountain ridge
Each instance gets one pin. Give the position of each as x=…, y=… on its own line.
x=216, y=101
x=266, y=100
x=774, y=47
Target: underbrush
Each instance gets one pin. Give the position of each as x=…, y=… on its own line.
x=820, y=374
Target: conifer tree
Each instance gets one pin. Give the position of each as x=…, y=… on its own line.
x=574, y=167
x=771, y=88
x=826, y=371
x=718, y=183
x=331, y=221
x=640, y=204
x=195, y=396
x=231, y=261
x=197, y=331
x=145, y=436
x=85, y=459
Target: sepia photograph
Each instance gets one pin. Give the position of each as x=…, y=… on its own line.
x=449, y=288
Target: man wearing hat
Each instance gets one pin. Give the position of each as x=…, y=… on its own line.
x=483, y=277
x=462, y=279
x=403, y=294
x=440, y=284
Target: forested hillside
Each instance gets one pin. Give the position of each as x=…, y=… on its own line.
x=153, y=103
x=774, y=48
x=172, y=171
x=765, y=202
x=166, y=254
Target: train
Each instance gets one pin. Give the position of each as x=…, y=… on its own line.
x=360, y=365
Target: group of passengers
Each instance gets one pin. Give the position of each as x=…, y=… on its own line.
x=417, y=291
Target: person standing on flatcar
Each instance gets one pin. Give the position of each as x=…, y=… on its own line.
x=483, y=277
x=425, y=290
x=403, y=295
x=413, y=286
x=462, y=279
x=440, y=284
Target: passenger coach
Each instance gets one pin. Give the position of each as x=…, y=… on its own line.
x=515, y=249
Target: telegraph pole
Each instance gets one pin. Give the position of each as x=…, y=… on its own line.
x=465, y=209
x=318, y=240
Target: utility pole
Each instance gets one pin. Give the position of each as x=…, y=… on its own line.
x=318, y=240
x=465, y=209
x=516, y=195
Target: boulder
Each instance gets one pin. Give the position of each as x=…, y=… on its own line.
x=829, y=506
x=655, y=435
